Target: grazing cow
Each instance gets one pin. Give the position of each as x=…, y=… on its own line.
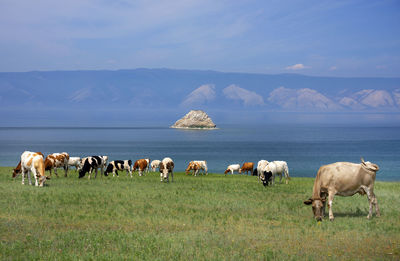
x=74, y=161
x=193, y=166
x=17, y=169
x=167, y=168
x=196, y=166
x=116, y=165
x=343, y=179
x=265, y=177
x=141, y=165
x=33, y=162
x=92, y=163
x=260, y=168
x=155, y=164
x=247, y=166
x=277, y=168
x=57, y=160
x=232, y=168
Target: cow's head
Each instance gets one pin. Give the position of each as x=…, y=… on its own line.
x=164, y=170
x=16, y=172
x=318, y=206
x=240, y=170
x=265, y=177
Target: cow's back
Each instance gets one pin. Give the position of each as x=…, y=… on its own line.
x=345, y=178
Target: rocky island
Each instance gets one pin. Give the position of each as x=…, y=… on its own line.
x=195, y=119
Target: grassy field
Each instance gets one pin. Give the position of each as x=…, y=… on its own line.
x=202, y=218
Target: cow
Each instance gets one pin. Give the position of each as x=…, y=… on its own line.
x=116, y=165
x=343, y=179
x=247, y=166
x=57, y=160
x=92, y=163
x=265, y=177
x=74, y=161
x=193, y=166
x=277, y=168
x=196, y=166
x=141, y=165
x=17, y=169
x=155, y=164
x=33, y=162
x=166, y=169
x=232, y=168
x=260, y=168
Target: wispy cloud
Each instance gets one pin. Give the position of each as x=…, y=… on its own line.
x=298, y=66
x=80, y=95
x=200, y=95
x=333, y=68
x=234, y=92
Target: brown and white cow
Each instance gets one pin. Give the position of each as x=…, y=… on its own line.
x=195, y=166
x=343, y=179
x=166, y=169
x=17, y=169
x=33, y=162
x=141, y=165
x=247, y=166
x=57, y=160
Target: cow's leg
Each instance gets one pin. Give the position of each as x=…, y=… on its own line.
x=370, y=196
x=55, y=171
x=172, y=176
x=23, y=176
x=331, y=195
x=375, y=202
x=66, y=170
x=280, y=178
x=95, y=175
x=161, y=176
x=29, y=177
x=35, y=175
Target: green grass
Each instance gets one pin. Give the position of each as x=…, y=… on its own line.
x=202, y=218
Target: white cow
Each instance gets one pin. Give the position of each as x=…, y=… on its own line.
x=260, y=167
x=278, y=168
x=75, y=161
x=155, y=164
x=232, y=168
x=167, y=168
x=33, y=162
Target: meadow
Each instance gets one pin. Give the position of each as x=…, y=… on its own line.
x=212, y=217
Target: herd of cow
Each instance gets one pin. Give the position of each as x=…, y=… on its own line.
x=340, y=178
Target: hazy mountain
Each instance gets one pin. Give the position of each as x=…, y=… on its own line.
x=161, y=95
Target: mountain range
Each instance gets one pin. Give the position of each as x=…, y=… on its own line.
x=165, y=95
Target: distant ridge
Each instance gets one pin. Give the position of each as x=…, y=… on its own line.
x=142, y=94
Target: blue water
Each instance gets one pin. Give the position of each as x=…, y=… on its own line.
x=305, y=148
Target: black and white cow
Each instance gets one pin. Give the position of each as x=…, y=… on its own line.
x=116, y=165
x=92, y=163
x=265, y=177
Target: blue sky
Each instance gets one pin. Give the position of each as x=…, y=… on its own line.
x=325, y=38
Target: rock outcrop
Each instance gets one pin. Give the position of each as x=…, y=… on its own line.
x=195, y=119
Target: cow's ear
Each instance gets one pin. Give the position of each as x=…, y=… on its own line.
x=308, y=201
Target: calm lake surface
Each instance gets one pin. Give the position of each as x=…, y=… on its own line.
x=304, y=148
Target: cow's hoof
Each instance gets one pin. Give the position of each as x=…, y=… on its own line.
x=331, y=219
x=368, y=217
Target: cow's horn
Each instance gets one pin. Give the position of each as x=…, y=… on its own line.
x=362, y=160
